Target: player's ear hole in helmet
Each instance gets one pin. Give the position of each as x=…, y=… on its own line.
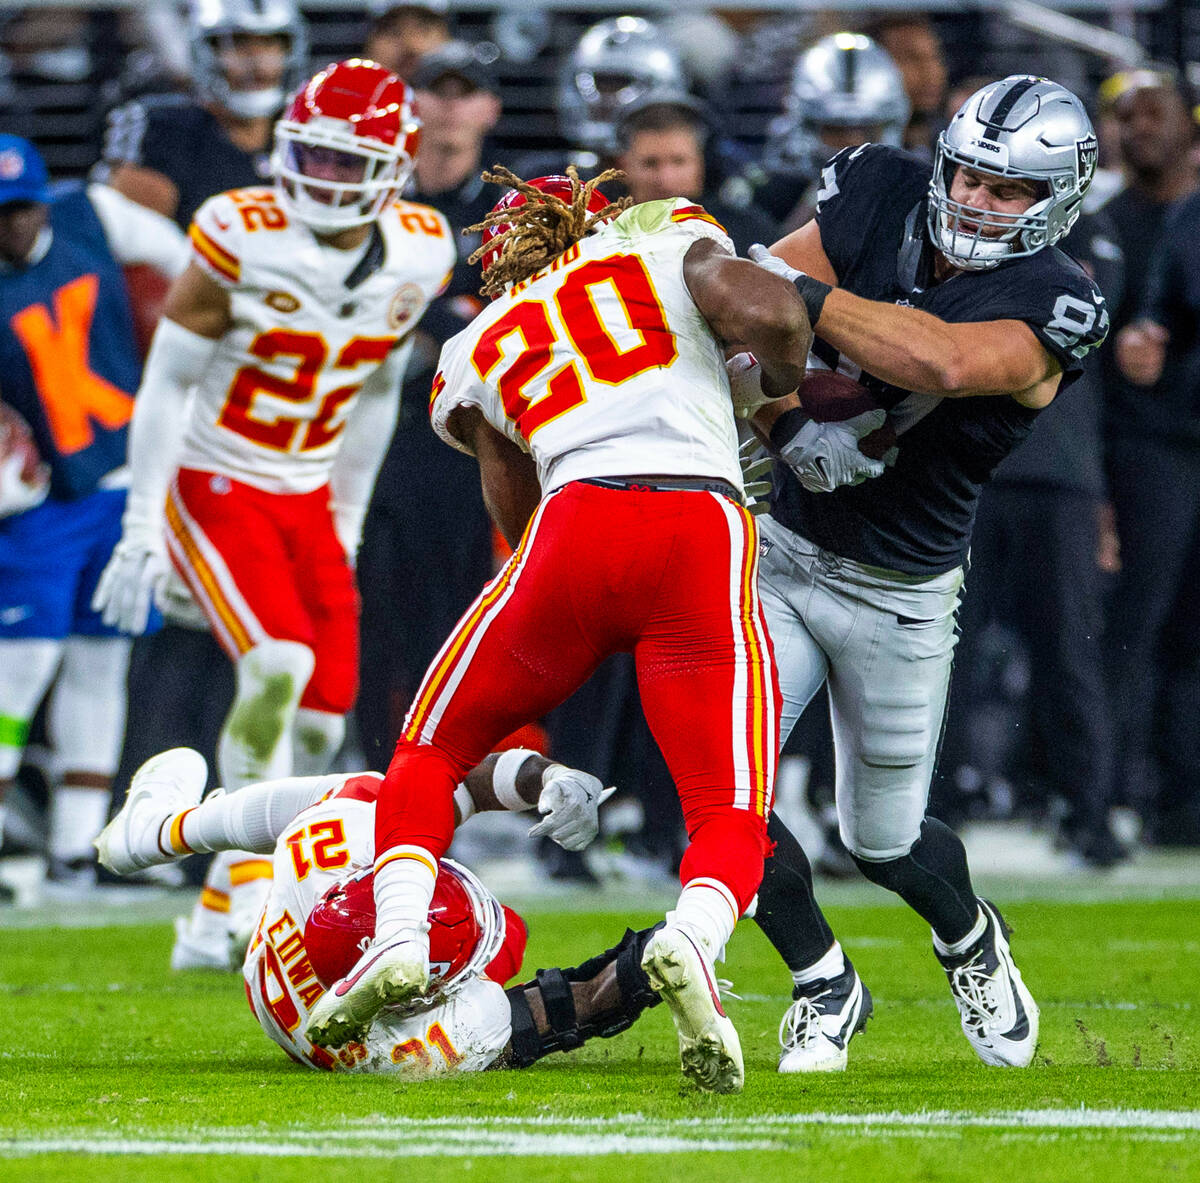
x=535, y=221
x=247, y=56
x=1021, y=129
x=466, y=927
x=346, y=146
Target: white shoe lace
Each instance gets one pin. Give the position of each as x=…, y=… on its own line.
x=975, y=991
x=800, y=1026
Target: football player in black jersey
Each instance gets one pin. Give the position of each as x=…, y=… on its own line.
x=172, y=152
x=941, y=291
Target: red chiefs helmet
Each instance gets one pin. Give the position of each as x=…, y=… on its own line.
x=346, y=146
x=557, y=186
x=466, y=927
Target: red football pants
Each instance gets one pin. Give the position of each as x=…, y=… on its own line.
x=269, y=565
x=670, y=576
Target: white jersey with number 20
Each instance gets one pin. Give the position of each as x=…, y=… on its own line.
x=602, y=365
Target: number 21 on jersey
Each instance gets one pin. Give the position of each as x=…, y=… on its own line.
x=577, y=319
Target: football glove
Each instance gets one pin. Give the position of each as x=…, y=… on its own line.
x=134, y=577
x=825, y=456
x=756, y=476
x=570, y=801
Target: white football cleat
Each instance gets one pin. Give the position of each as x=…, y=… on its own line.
x=817, y=1027
x=393, y=974
x=165, y=785
x=710, y=1052
x=999, y=1015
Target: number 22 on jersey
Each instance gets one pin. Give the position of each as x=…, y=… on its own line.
x=578, y=315
x=311, y=353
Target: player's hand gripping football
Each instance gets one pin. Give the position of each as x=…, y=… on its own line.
x=132, y=580
x=570, y=801
x=825, y=456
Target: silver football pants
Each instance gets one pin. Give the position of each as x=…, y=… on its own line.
x=884, y=642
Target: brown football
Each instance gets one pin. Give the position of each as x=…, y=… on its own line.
x=830, y=397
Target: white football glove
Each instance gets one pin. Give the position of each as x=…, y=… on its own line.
x=756, y=476
x=134, y=577
x=745, y=384
x=772, y=263
x=570, y=801
x=17, y=494
x=825, y=456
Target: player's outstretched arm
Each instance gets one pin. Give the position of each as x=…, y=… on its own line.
x=509, y=477
x=912, y=349
x=766, y=318
x=518, y=780
x=195, y=316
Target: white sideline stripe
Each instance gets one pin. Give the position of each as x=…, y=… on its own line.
x=577, y=1136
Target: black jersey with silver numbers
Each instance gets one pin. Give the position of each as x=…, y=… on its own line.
x=182, y=140
x=917, y=517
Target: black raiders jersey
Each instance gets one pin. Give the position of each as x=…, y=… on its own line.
x=916, y=518
x=179, y=138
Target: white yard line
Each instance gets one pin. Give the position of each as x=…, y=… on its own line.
x=402, y=1137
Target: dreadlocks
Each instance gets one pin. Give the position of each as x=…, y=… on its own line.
x=541, y=229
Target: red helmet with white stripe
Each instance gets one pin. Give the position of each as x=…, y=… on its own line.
x=557, y=186
x=466, y=927
x=346, y=146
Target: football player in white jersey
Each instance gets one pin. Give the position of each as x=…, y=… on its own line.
x=593, y=392
x=321, y=834
x=268, y=401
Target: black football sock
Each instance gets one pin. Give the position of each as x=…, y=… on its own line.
x=787, y=909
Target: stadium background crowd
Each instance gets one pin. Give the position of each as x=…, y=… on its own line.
x=1078, y=674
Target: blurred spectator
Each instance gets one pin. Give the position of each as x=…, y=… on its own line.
x=613, y=64
x=1039, y=553
x=844, y=91
x=1153, y=471
x=70, y=369
x=1156, y=628
x=169, y=152
x=427, y=548
x=661, y=142
x=913, y=44
x=401, y=34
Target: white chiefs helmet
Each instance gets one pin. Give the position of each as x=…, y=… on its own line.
x=615, y=63
x=842, y=81
x=1022, y=127
x=212, y=26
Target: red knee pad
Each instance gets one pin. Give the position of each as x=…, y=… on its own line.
x=729, y=848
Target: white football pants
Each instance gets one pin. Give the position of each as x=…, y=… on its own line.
x=884, y=641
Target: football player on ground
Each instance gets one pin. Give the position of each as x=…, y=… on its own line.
x=593, y=393
x=170, y=152
x=68, y=369
x=321, y=833
x=941, y=291
x=291, y=326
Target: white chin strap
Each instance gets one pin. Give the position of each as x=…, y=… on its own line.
x=971, y=252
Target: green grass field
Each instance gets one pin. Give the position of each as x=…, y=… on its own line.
x=111, y=1067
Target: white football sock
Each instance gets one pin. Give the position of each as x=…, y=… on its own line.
x=77, y=815
x=251, y=819
x=405, y=877
x=708, y=908
x=831, y=964
x=960, y=947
